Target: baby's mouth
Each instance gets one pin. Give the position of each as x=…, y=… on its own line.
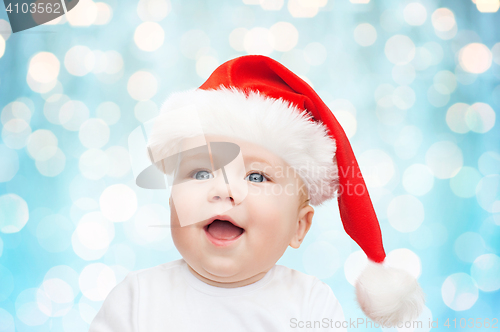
x=223, y=230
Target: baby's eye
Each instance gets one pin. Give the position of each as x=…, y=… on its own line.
x=204, y=175
x=257, y=176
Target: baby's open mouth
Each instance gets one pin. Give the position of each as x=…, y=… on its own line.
x=223, y=230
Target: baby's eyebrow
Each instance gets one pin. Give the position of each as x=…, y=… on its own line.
x=247, y=159
x=251, y=159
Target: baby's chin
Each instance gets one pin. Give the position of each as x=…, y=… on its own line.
x=229, y=274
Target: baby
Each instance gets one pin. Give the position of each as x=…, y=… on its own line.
x=245, y=155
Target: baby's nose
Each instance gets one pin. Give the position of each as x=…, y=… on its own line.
x=228, y=188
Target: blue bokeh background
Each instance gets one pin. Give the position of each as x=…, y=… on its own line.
x=415, y=84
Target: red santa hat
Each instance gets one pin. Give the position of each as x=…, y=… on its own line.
x=257, y=99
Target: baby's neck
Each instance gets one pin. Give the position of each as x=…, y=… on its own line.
x=235, y=284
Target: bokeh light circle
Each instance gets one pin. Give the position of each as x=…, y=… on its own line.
x=94, y=133
x=74, y=321
x=14, y=213
x=487, y=6
x=192, y=42
x=443, y=19
x=488, y=193
x=391, y=21
x=475, y=58
x=489, y=163
x=285, y=36
x=445, y=82
x=436, y=98
x=464, y=77
x=146, y=110
x=300, y=8
x=149, y=36
x=53, y=106
x=55, y=297
x=405, y=213
x=455, y=118
x=459, y=291
x=94, y=232
x=65, y=273
x=79, y=60
x=2, y=46
x=109, y=112
x=15, y=133
x=444, y=159
x=42, y=144
x=94, y=164
x=415, y=13
x=114, y=62
x=259, y=41
x=6, y=319
x=84, y=15
x=465, y=182
x=52, y=166
x=28, y=308
x=486, y=271
x=315, y=54
x=205, y=65
x=480, y=117
x=16, y=110
x=403, y=74
x=423, y=58
x=93, y=235
x=9, y=163
x=406, y=260
x=6, y=29
x=153, y=10
x=399, y=49
x=365, y=34
x=347, y=121
x=44, y=67
x=142, y=85
x=104, y=13
x=119, y=161
x=145, y=231
x=118, y=202
x=271, y=4
x=468, y=246
x=418, y=179
x=236, y=39
x=377, y=167
x=354, y=265
x=73, y=114
x=96, y=281
x=120, y=254
x=403, y=97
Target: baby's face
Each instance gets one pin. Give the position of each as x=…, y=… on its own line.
x=266, y=202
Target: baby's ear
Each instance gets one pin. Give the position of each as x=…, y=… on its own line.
x=303, y=224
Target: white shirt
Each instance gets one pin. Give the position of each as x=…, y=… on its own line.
x=169, y=297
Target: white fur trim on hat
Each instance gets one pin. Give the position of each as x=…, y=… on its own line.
x=388, y=295
x=274, y=124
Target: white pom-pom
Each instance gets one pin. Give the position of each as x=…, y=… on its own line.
x=388, y=295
